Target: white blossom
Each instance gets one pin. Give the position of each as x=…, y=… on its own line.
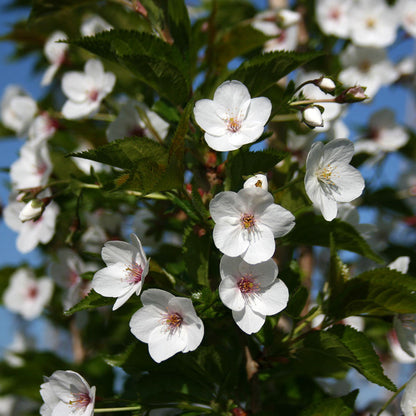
x=67, y=393
x=19, y=345
x=408, y=402
x=333, y=17
x=31, y=233
x=27, y=295
x=18, y=109
x=55, y=53
x=407, y=15
x=373, y=23
x=94, y=24
x=135, y=119
x=257, y=181
x=232, y=118
x=33, y=167
x=247, y=222
x=330, y=178
x=369, y=67
x=251, y=291
x=42, y=128
x=169, y=324
x=127, y=267
x=85, y=90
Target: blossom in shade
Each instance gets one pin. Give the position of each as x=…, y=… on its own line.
x=247, y=222
x=369, y=67
x=232, y=118
x=67, y=393
x=407, y=15
x=373, y=23
x=408, y=402
x=85, y=90
x=333, y=17
x=42, y=128
x=17, y=109
x=169, y=324
x=31, y=232
x=33, y=167
x=330, y=178
x=66, y=272
x=135, y=119
x=27, y=295
x=251, y=291
x=127, y=267
x=55, y=53
x=94, y=24
x=257, y=181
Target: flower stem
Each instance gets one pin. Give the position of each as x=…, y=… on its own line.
x=306, y=102
x=118, y=409
x=284, y=117
x=391, y=399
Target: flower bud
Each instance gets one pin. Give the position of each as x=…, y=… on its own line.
x=257, y=181
x=32, y=210
x=312, y=117
x=352, y=95
x=325, y=84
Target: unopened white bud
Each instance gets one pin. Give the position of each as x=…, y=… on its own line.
x=326, y=84
x=32, y=210
x=257, y=181
x=312, y=117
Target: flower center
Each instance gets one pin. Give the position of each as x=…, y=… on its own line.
x=365, y=66
x=93, y=95
x=247, y=285
x=135, y=272
x=233, y=125
x=334, y=14
x=370, y=23
x=324, y=175
x=173, y=321
x=248, y=221
x=73, y=277
x=258, y=184
x=32, y=292
x=41, y=168
x=80, y=400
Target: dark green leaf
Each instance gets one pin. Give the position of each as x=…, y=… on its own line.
x=333, y=406
x=261, y=72
x=44, y=8
x=315, y=231
x=346, y=346
x=243, y=162
x=389, y=199
x=91, y=301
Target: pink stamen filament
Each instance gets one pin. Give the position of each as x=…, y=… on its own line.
x=173, y=321
x=80, y=400
x=135, y=272
x=233, y=125
x=247, y=221
x=247, y=285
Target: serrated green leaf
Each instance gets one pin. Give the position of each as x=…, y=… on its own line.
x=260, y=73
x=44, y=8
x=243, y=162
x=119, y=359
x=332, y=406
x=92, y=301
x=346, y=346
x=375, y=292
x=149, y=58
x=313, y=230
x=297, y=302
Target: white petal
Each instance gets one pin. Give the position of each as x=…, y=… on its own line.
x=144, y=321
x=112, y=281
x=207, y=118
x=261, y=249
x=75, y=85
x=195, y=334
x=156, y=297
x=230, y=294
x=232, y=95
x=349, y=183
x=49, y=74
x=117, y=252
x=229, y=239
x=225, y=205
x=338, y=151
x=220, y=143
x=272, y=300
x=314, y=156
x=248, y=320
x=278, y=219
x=258, y=111
x=163, y=344
x=73, y=110
x=94, y=68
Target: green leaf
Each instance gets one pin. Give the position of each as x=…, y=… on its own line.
x=196, y=251
x=243, y=162
x=297, y=302
x=149, y=58
x=91, y=301
x=44, y=8
x=332, y=406
x=377, y=292
x=346, y=346
x=119, y=359
x=260, y=73
x=313, y=230
x=389, y=199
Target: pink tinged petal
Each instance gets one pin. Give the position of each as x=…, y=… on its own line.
x=338, y=151
x=229, y=239
x=121, y=300
x=220, y=143
x=248, y=320
x=349, y=183
x=112, y=281
x=195, y=334
x=258, y=111
x=207, y=118
x=75, y=85
x=163, y=343
x=117, y=252
x=156, y=297
x=74, y=110
x=232, y=95
x=278, y=219
x=144, y=321
x=245, y=135
x=94, y=68
x=140, y=257
x=272, y=300
x=261, y=248
x=230, y=294
x=225, y=205
x=49, y=74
